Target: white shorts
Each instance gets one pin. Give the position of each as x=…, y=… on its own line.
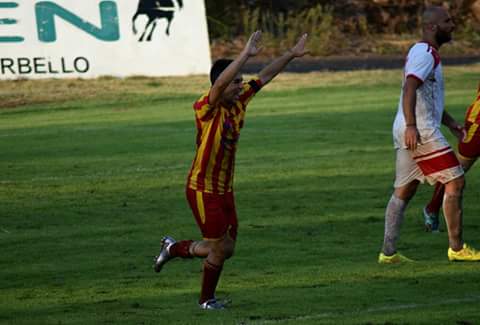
x=433, y=161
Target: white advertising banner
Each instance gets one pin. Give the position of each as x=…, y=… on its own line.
x=91, y=38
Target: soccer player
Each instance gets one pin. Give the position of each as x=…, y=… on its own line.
x=468, y=152
x=422, y=152
x=219, y=118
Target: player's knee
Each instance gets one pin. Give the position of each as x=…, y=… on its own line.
x=229, y=250
x=218, y=250
x=229, y=253
x=455, y=187
x=405, y=193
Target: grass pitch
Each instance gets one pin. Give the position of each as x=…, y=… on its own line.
x=93, y=173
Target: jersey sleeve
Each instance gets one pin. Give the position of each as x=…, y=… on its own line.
x=249, y=90
x=420, y=63
x=203, y=110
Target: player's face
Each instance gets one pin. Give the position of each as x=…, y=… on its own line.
x=232, y=93
x=444, y=28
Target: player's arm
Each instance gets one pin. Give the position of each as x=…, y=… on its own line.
x=456, y=129
x=275, y=67
x=226, y=77
x=409, y=102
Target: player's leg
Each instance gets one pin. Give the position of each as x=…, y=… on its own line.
x=431, y=211
x=406, y=183
x=199, y=248
x=225, y=223
x=171, y=249
x=441, y=165
x=217, y=220
x=453, y=211
x=186, y=248
x=220, y=250
x=455, y=197
x=218, y=224
x=394, y=214
x=468, y=153
x=215, y=251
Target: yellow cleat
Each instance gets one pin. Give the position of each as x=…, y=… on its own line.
x=396, y=258
x=466, y=254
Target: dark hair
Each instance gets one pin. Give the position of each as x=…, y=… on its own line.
x=217, y=68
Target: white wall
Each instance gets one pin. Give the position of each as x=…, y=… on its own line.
x=186, y=51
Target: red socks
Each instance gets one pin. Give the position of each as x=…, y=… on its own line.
x=211, y=274
x=436, y=202
x=181, y=249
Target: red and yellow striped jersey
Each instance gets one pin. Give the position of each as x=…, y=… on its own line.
x=218, y=130
x=473, y=112
x=472, y=118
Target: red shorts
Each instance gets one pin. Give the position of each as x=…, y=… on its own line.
x=470, y=147
x=215, y=213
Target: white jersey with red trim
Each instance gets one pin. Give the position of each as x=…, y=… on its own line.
x=422, y=63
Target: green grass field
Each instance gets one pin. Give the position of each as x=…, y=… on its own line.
x=93, y=173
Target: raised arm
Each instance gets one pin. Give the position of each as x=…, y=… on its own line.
x=275, y=67
x=226, y=77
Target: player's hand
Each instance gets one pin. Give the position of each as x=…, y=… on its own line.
x=412, y=137
x=299, y=49
x=252, y=47
x=459, y=131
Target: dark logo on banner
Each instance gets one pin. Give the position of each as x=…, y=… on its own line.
x=155, y=9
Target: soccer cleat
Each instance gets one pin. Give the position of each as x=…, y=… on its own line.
x=396, y=258
x=212, y=304
x=466, y=254
x=431, y=221
x=164, y=255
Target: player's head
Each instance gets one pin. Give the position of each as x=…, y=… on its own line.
x=231, y=94
x=217, y=69
x=438, y=24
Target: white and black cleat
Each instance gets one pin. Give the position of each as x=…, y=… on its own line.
x=212, y=304
x=164, y=255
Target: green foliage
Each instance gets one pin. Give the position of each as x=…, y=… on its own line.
x=318, y=22
x=281, y=30
x=469, y=32
x=218, y=28
x=335, y=27
x=90, y=184
x=362, y=26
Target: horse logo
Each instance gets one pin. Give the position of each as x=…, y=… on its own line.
x=155, y=9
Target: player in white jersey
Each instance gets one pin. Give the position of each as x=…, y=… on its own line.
x=433, y=158
x=422, y=152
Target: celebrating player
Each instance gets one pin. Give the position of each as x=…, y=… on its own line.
x=468, y=152
x=219, y=117
x=422, y=152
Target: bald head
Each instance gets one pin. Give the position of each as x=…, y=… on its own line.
x=433, y=15
x=437, y=25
